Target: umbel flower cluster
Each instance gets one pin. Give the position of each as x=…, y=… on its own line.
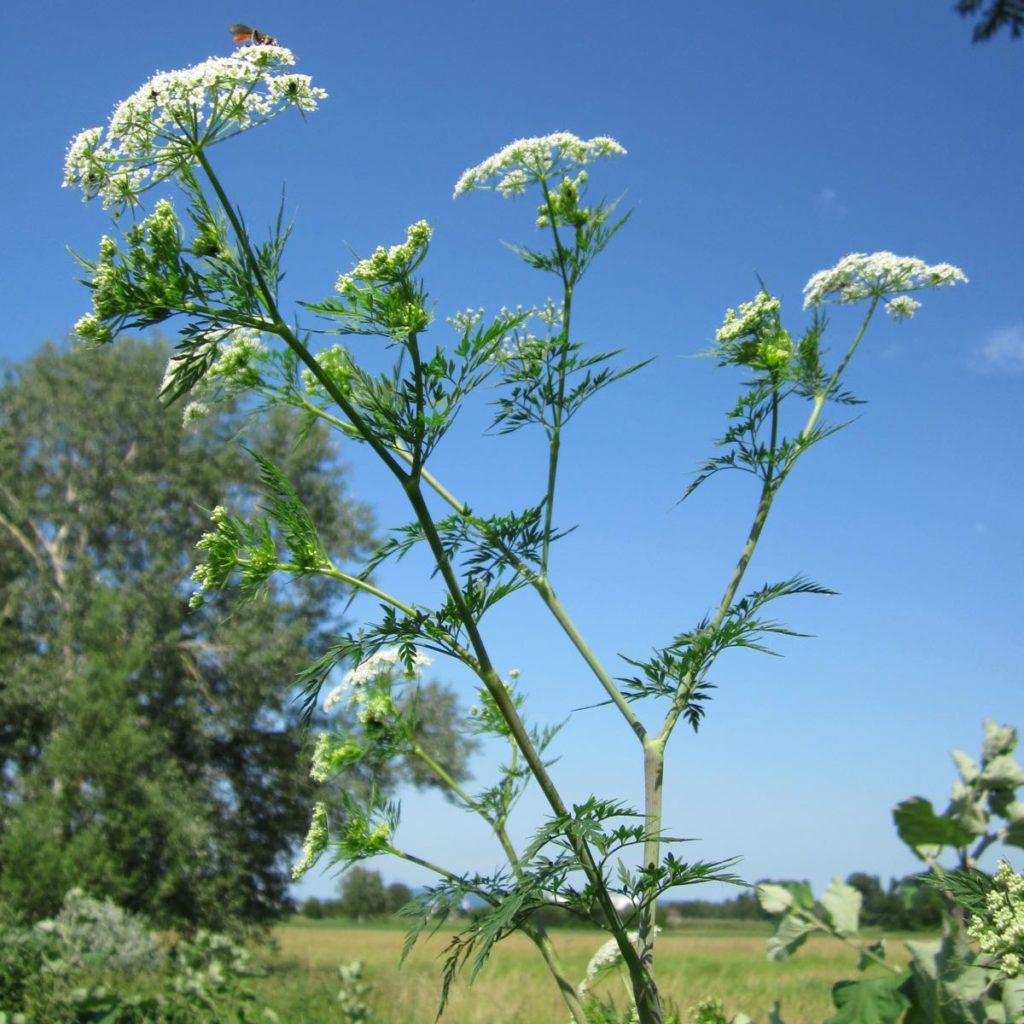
x=861, y=276
x=165, y=124
x=526, y=161
x=1000, y=932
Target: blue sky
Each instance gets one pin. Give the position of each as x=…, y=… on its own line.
x=764, y=139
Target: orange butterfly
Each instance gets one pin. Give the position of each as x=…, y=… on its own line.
x=244, y=34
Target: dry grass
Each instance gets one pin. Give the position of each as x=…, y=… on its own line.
x=514, y=987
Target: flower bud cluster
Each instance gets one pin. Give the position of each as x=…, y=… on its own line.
x=754, y=336
x=145, y=278
x=386, y=266
x=315, y=842
x=237, y=362
x=336, y=362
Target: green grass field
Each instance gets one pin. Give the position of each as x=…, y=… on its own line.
x=722, y=960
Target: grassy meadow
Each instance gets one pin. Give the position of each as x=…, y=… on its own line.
x=722, y=960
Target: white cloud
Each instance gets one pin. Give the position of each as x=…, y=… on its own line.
x=1004, y=349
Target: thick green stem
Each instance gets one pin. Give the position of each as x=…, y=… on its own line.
x=647, y=994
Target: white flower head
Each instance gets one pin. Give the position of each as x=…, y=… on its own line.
x=382, y=666
x=862, y=276
x=234, y=362
x=903, y=307
x=157, y=130
x=525, y=161
x=999, y=931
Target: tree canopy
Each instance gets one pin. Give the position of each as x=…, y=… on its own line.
x=150, y=751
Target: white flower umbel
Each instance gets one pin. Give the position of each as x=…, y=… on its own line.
x=606, y=957
x=386, y=663
x=520, y=163
x=1000, y=931
x=862, y=276
x=163, y=125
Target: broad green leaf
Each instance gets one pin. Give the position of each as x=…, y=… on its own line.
x=920, y=827
x=774, y=899
x=1013, y=999
x=876, y=1001
x=842, y=903
x=1015, y=834
x=790, y=935
x=966, y=766
x=944, y=985
x=999, y=740
x=1003, y=803
x=967, y=808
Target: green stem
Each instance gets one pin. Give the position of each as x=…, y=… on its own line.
x=654, y=749
x=496, y=826
x=352, y=581
x=279, y=327
x=642, y=982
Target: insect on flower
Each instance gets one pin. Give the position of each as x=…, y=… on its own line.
x=245, y=34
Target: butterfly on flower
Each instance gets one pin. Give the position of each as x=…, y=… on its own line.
x=245, y=34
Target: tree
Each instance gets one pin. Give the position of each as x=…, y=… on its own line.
x=148, y=752
x=362, y=893
x=398, y=894
x=998, y=15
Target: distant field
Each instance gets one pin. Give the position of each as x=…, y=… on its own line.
x=727, y=961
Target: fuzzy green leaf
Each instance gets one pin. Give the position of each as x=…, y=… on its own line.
x=966, y=766
x=789, y=936
x=842, y=903
x=921, y=828
x=874, y=1001
x=999, y=740
x=774, y=899
x=1002, y=772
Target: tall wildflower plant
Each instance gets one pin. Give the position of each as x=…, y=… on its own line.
x=206, y=270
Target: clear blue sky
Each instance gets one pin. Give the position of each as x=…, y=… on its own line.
x=764, y=138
